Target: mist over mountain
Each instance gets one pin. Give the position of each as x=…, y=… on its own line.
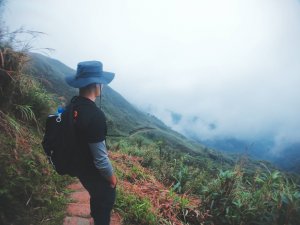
x=276, y=146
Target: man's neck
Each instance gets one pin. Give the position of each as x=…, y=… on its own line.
x=92, y=98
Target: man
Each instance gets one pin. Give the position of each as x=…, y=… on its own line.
x=95, y=170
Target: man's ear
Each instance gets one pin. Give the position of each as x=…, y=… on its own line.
x=97, y=90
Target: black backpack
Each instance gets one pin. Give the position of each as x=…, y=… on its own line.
x=59, y=141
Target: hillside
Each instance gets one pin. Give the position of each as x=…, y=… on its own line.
x=176, y=161
x=164, y=177
x=287, y=159
x=122, y=117
x=127, y=121
x=30, y=190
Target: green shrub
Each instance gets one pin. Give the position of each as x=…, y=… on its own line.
x=30, y=191
x=232, y=196
x=135, y=210
x=263, y=198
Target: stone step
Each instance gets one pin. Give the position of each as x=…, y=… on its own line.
x=77, y=221
x=76, y=187
x=79, y=209
x=80, y=197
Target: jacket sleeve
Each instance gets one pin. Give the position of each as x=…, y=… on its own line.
x=101, y=159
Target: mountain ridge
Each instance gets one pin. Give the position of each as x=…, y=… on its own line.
x=122, y=116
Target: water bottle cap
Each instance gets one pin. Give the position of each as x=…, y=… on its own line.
x=60, y=109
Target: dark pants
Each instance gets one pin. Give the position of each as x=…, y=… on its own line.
x=102, y=199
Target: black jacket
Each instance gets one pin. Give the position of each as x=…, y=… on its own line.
x=90, y=127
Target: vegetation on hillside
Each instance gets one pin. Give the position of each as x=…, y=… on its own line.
x=142, y=199
x=30, y=191
x=235, y=196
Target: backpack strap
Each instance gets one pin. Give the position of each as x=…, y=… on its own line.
x=73, y=99
x=73, y=114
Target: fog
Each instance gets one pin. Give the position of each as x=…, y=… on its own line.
x=229, y=68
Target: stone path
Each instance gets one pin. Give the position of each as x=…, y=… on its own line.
x=78, y=211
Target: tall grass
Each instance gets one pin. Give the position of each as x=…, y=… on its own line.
x=30, y=191
x=240, y=195
x=235, y=197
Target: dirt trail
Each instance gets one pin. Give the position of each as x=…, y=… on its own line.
x=78, y=212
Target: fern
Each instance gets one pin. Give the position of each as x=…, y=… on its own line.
x=26, y=112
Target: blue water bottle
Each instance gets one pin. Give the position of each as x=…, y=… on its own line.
x=60, y=110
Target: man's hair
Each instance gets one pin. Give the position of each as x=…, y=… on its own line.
x=87, y=89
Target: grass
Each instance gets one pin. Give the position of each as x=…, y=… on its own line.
x=162, y=201
x=30, y=191
x=234, y=196
x=135, y=210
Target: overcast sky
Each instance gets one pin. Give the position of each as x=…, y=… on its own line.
x=234, y=63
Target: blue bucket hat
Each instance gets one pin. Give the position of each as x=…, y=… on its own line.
x=89, y=72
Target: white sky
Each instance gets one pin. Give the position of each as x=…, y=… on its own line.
x=231, y=62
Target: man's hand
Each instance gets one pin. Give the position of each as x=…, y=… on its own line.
x=113, y=181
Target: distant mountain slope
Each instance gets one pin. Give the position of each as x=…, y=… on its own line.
x=122, y=117
x=288, y=159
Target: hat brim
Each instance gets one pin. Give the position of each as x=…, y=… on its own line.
x=105, y=78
